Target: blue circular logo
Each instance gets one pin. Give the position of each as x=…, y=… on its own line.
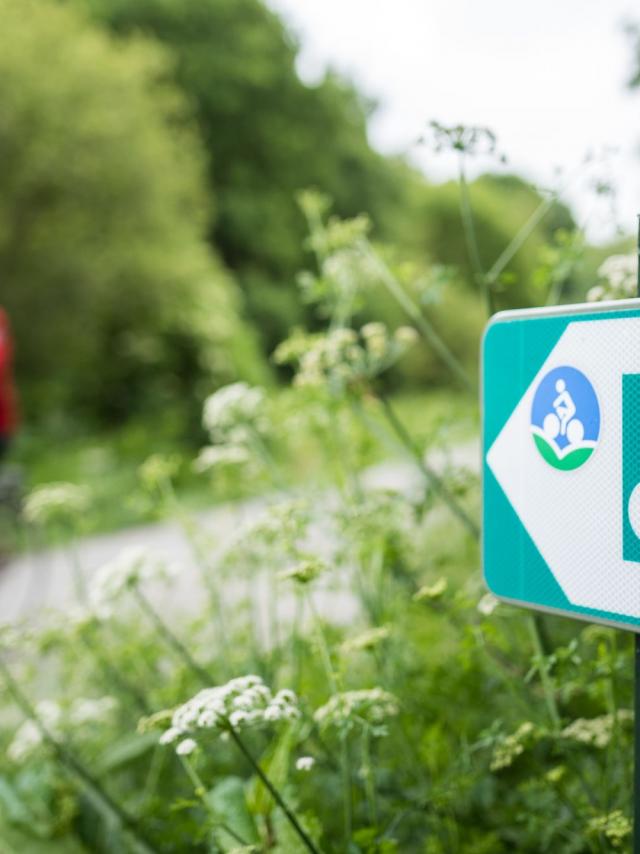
x=565, y=418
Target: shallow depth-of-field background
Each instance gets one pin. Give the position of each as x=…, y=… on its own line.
x=235, y=317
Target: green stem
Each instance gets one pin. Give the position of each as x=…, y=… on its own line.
x=201, y=792
x=275, y=794
x=520, y=239
x=471, y=238
x=435, y=482
x=425, y=328
x=367, y=773
x=201, y=558
x=172, y=641
x=547, y=684
x=345, y=762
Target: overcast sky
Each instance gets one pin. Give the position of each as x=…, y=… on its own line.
x=548, y=77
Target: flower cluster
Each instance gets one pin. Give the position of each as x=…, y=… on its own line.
x=512, y=746
x=243, y=703
x=343, y=358
x=55, y=502
x=367, y=640
x=614, y=826
x=233, y=412
x=234, y=416
x=596, y=732
x=367, y=709
x=619, y=274
x=54, y=719
x=487, y=605
x=134, y=565
x=431, y=592
x=157, y=469
x=304, y=571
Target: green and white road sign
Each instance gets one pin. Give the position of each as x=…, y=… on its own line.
x=561, y=472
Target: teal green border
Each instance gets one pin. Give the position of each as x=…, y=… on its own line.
x=514, y=348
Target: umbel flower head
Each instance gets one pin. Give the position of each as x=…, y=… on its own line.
x=343, y=358
x=243, y=703
x=55, y=719
x=55, y=502
x=234, y=416
x=232, y=412
x=367, y=709
x=132, y=566
x=619, y=279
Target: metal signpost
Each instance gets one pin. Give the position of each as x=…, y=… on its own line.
x=561, y=470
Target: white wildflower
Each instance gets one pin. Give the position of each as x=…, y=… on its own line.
x=619, y=273
x=305, y=763
x=303, y=572
x=367, y=640
x=221, y=455
x=406, y=336
x=133, y=566
x=55, y=719
x=595, y=732
x=186, y=747
x=243, y=703
x=55, y=502
x=85, y=711
x=487, y=605
x=364, y=709
x=233, y=412
x=169, y=735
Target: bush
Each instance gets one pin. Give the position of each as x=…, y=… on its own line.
x=111, y=287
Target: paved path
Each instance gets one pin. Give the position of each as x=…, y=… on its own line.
x=34, y=583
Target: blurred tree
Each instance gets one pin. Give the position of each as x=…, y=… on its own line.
x=114, y=293
x=268, y=136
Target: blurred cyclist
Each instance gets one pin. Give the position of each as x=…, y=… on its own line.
x=8, y=407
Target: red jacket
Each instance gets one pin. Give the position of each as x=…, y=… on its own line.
x=8, y=403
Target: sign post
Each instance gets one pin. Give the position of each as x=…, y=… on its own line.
x=636, y=683
x=561, y=467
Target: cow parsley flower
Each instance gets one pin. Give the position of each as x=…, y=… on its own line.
x=243, y=703
x=619, y=275
x=511, y=746
x=614, y=826
x=214, y=456
x=56, y=719
x=186, y=747
x=233, y=412
x=431, y=592
x=134, y=565
x=487, y=605
x=367, y=709
x=303, y=572
x=305, y=763
x=55, y=502
x=343, y=358
x=367, y=640
x=596, y=732
x=235, y=418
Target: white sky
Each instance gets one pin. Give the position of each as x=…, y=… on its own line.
x=547, y=76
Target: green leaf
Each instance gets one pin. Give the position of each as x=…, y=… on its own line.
x=228, y=801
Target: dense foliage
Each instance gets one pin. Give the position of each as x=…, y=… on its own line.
x=115, y=296
x=340, y=681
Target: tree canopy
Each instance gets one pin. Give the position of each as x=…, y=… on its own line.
x=268, y=135
x=104, y=265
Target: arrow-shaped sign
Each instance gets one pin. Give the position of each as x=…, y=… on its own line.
x=561, y=395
